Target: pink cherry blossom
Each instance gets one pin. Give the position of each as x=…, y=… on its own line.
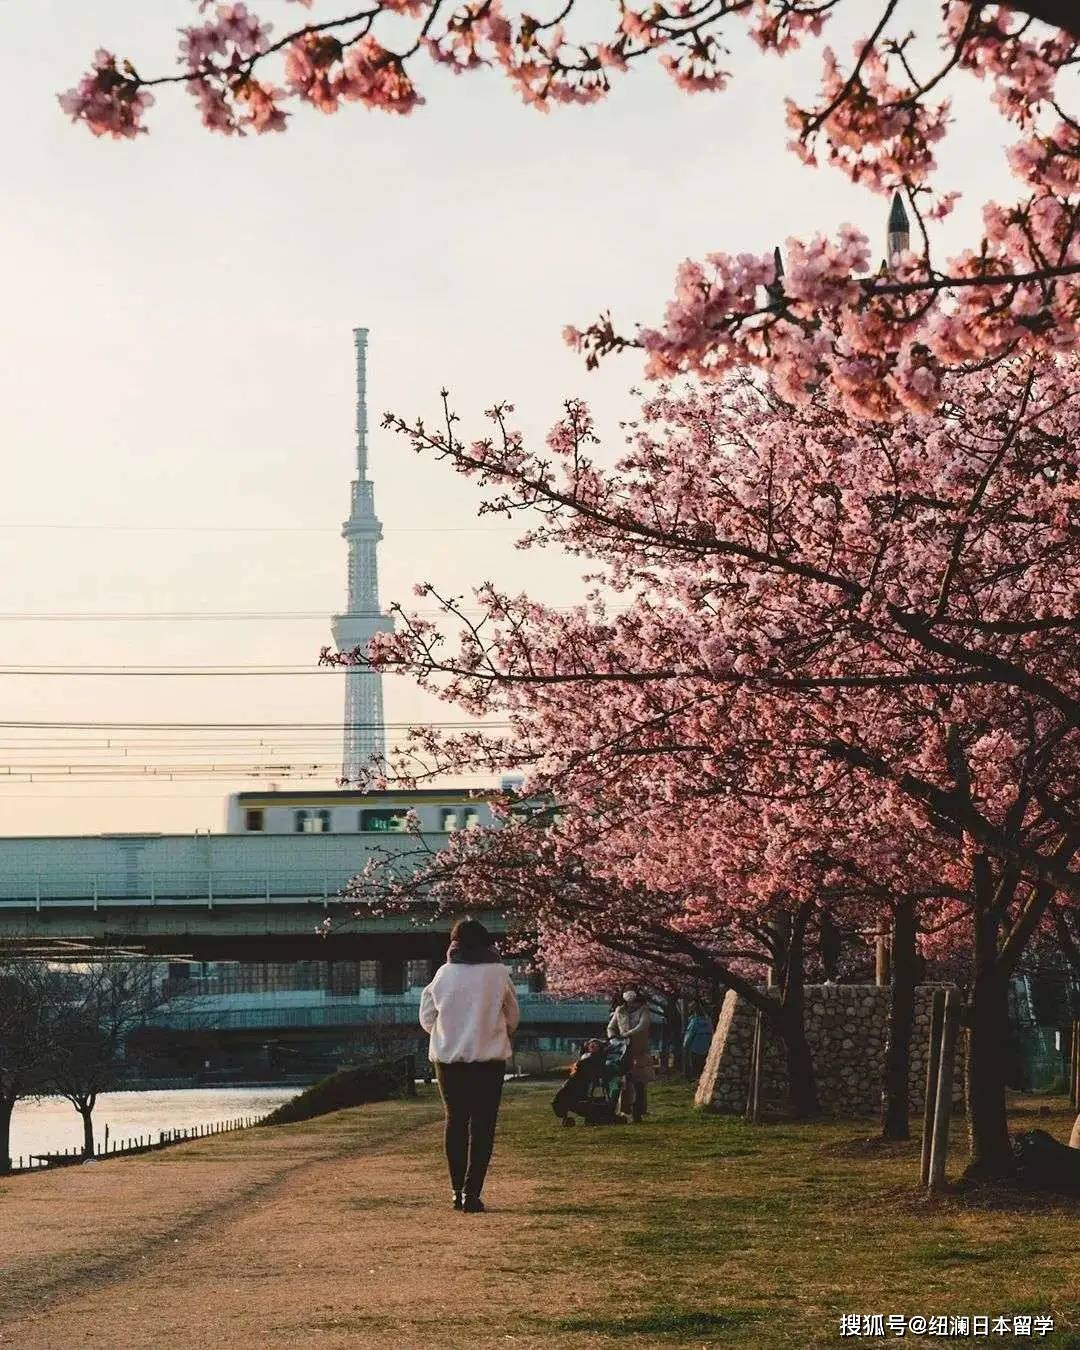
x=109, y=101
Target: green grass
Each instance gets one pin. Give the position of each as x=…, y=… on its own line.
x=702, y=1230
x=667, y=1324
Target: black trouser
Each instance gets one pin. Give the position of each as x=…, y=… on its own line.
x=471, y=1093
x=641, y=1101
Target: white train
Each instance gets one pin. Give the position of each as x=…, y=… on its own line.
x=441, y=811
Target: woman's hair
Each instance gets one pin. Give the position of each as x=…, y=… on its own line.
x=470, y=934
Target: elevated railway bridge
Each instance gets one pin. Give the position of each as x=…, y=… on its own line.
x=204, y=897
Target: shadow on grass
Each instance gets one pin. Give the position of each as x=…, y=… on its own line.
x=935, y=1254
x=667, y=1322
x=702, y=1241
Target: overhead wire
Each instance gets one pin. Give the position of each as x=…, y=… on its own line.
x=216, y=616
x=253, y=726
x=247, y=529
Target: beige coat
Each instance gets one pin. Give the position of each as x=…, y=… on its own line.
x=633, y=1025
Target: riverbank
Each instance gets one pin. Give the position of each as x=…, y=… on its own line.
x=52, y=1125
x=293, y=1083
x=689, y=1230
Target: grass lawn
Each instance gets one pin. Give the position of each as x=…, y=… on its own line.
x=698, y=1229
x=692, y=1229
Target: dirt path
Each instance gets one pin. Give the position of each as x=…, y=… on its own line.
x=336, y=1234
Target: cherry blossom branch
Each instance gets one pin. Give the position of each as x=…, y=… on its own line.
x=951, y=805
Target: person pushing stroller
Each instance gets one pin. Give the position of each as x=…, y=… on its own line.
x=631, y=1021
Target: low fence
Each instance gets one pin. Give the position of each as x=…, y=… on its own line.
x=127, y=1148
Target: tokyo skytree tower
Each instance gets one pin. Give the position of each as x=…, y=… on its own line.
x=364, y=732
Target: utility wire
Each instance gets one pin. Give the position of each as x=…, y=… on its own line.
x=255, y=726
x=219, y=616
x=250, y=529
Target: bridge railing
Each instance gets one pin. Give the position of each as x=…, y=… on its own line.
x=535, y=1008
x=200, y=885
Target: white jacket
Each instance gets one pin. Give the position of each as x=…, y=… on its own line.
x=633, y=1025
x=471, y=1012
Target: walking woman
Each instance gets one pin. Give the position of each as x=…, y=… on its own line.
x=471, y=1012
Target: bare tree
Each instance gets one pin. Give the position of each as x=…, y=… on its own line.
x=24, y=1037
x=93, y=1012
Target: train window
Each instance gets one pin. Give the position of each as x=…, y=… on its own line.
x=450, y=820
x=253, y=818
x=311, y=822
x=472, y=818
x=418, y=973
x=382, y=820
x=391, y=977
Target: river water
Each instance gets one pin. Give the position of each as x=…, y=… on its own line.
x=52, y=1124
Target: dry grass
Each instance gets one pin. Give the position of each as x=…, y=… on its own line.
x=689, y=1230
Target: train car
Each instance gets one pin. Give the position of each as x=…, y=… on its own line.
x=348, y=811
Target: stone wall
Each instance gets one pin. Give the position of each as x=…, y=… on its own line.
x=845, y=1027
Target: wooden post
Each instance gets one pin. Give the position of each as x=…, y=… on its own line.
x=937, y=1020
x=753, y=1098
x=882, y=958
x=748, y=1111
x=943, y=1106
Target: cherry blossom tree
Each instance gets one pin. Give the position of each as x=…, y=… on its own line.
x=812, y=602
x=577, y=910
x=884, y=340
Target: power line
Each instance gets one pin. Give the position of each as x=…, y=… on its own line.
x=116, y=797
x=170, y=672
x=221, y=616
x=186, y=616
x=249, y=529
x=251, y=726
x=269, y=774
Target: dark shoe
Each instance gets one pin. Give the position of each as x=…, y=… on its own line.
x=459, y=1200
x=473, y=1205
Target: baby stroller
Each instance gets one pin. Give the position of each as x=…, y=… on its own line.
x=592, y=1088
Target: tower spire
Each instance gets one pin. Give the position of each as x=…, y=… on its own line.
x=897, y=232
x=360, y=336
x=364, y=733
x=775, y=288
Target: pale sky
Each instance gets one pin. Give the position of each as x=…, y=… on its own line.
x=176, y=373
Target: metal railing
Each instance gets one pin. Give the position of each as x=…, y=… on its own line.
x=184, y=885
x=537, y=1008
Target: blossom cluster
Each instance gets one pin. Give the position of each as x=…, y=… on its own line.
x=885, y=340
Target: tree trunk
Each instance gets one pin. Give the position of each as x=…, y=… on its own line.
x=7, y=1105
x=673, y=1031
x=802, y=1084
x=830, y=946
x=87, y=1113
x=988, y=1038
x=895, y=1083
